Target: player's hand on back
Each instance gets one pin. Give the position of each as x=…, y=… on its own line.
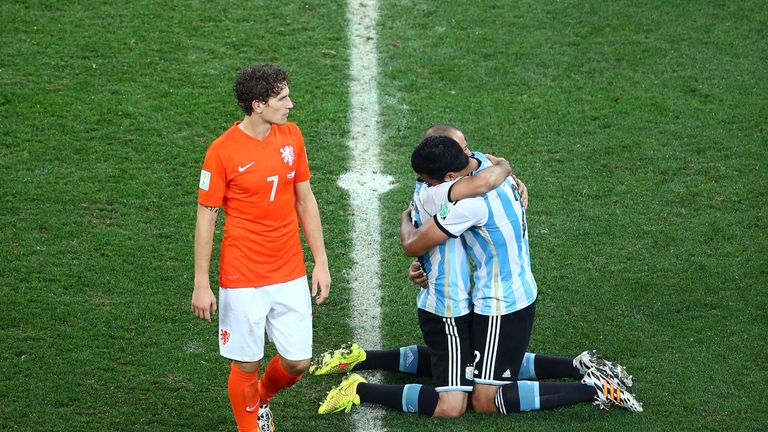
x=523, y=191
x=416, y=274
x=496, y=160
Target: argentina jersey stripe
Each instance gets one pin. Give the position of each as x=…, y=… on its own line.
x=517, y=265
x=504, y=282
x=484, y=162
x=446, y=267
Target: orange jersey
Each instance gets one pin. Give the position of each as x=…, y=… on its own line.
x=254, y=181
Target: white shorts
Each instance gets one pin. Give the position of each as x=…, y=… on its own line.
x=284, y=310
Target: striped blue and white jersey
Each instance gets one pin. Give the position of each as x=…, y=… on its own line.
x=484, y=162
x=446, y=266
x=495, y=231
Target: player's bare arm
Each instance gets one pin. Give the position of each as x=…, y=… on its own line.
x=482, y=182
x=203, y=300
x=416, y=241
x=309, y=217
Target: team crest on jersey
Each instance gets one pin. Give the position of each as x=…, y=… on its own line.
x=445, y=210
x=287, y=154
x=224, y=336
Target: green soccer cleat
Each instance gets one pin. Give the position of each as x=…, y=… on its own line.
x=337, y=361
x=609, y=390
x=589, y=359
x=342, y=397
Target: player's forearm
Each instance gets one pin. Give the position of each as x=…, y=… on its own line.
x=204, y=228
x=407, y=233
x=494, y=176
x=417, y=241
x=480, y=183
x=309, y=218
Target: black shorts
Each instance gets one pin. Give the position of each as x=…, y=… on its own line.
x=500, y=342
x=450, y=348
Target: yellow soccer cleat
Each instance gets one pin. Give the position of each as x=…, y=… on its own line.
x=342, y=397
x=337, y=361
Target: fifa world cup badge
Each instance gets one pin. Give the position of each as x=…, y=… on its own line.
x=205, y=180
x=445, y=210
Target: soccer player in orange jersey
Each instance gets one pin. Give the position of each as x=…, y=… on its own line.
x=257, y=171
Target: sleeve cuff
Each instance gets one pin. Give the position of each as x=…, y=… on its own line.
x=442, y=228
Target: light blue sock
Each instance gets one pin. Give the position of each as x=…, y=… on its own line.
x=411, y=398
x=528, y=392
x=409, y=359
x=527, y=369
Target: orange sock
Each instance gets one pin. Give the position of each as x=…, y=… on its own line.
x=275, y=378
x=243, y=389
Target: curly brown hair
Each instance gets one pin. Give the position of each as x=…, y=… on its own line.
x=258, y=82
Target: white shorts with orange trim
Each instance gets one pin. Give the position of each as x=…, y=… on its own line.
x=284, y=310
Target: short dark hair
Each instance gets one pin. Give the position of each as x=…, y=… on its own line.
x=258, y=82
x=438, y=155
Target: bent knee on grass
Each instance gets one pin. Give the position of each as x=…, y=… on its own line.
x=483, y=399
x=451, y=405
x=450, y=411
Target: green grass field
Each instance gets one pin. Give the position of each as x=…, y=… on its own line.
x=639, y=128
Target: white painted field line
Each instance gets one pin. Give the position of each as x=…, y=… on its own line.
x=365, y=183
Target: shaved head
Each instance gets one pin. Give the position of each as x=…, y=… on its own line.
x=450, y=131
